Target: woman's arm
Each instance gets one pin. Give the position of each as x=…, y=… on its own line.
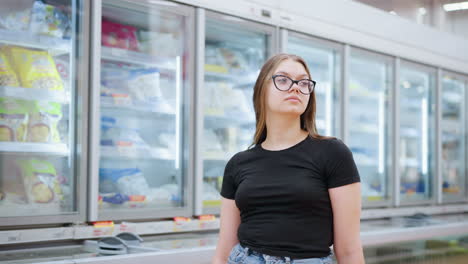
x=346, y=204
x=230, y=220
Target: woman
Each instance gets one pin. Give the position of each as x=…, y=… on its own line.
x=294, y=193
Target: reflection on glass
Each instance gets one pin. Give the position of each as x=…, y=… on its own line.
x=417, y=144
x=453, y=137
x=324, y=66
x=369, y=122
x=233, y=57
x=37, y=116
x=141, y=101
x=441, y=250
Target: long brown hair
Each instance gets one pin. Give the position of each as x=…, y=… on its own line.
x=307, y=118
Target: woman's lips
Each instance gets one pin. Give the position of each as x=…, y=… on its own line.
x=293, y=99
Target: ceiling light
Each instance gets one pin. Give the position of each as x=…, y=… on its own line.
x=393, y=12
x=456, y=6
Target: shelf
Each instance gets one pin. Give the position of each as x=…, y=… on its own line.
x=135, y=153
x=134, y=57
x=30, y=147
x=218, y=121
x=239, y=80
x=158, y=109
x=55, y=46
x=35, y=94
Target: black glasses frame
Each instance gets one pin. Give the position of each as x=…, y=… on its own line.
x=311, y=89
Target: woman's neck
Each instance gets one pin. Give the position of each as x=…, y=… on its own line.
x=283, y=132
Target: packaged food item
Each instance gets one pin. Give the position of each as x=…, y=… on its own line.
x=40, y=181
x=7, y=74
x=234, y=59
x=127, y=181
x=43, y=121
x=48, y=20
x=119, y=36
x=118, y=135
x=62, y=64
x=17, y=16
x=159, y=43
x=11, y=182
x=113, y=85
x=144, y=84
x=214, y=62
x=13, y=119
x=36, y=69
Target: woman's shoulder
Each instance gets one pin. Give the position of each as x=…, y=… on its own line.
x=331, y=145
x=244, y=154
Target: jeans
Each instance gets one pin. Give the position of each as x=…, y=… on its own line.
x=244, y=255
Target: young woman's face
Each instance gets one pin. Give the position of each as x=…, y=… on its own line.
x=291, y=101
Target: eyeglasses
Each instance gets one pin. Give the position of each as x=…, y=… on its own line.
x=284, y=83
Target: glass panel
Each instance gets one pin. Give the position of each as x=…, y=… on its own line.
x=417, y=131
x=234, y=55
x=37, y=107
x=446, y=250
x=453, y=137
x=142, y=82
x=370, y=83
x=324, y=65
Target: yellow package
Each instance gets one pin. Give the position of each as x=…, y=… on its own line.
x=13, y=119
x=7, y=75
x=43, y=121
x=36, y=69
x=40, y=181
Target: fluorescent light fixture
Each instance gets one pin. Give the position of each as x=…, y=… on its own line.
x=163, y=3
x=424, y=137
x=456, y=6
x=178, y=111
x=382, y=120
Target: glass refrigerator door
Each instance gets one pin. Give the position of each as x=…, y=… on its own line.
x=234, y=54
x=369, y=129
x=144, y=88
x=453, y=137
x=324, y=60
x=417, y=133
x=38, y=107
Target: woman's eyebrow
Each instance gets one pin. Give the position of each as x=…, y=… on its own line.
x=285, y=73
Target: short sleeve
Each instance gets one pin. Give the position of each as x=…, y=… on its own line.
x=340, y=166
x=229, y=186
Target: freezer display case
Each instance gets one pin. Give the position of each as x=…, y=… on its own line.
x=417, y=146
x=39, y=106
x=324, y=61
x=454, y=135
x=143, y=93
x=235, y=50
x=369, y=122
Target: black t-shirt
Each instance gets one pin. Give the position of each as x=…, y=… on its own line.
x=283, y=195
